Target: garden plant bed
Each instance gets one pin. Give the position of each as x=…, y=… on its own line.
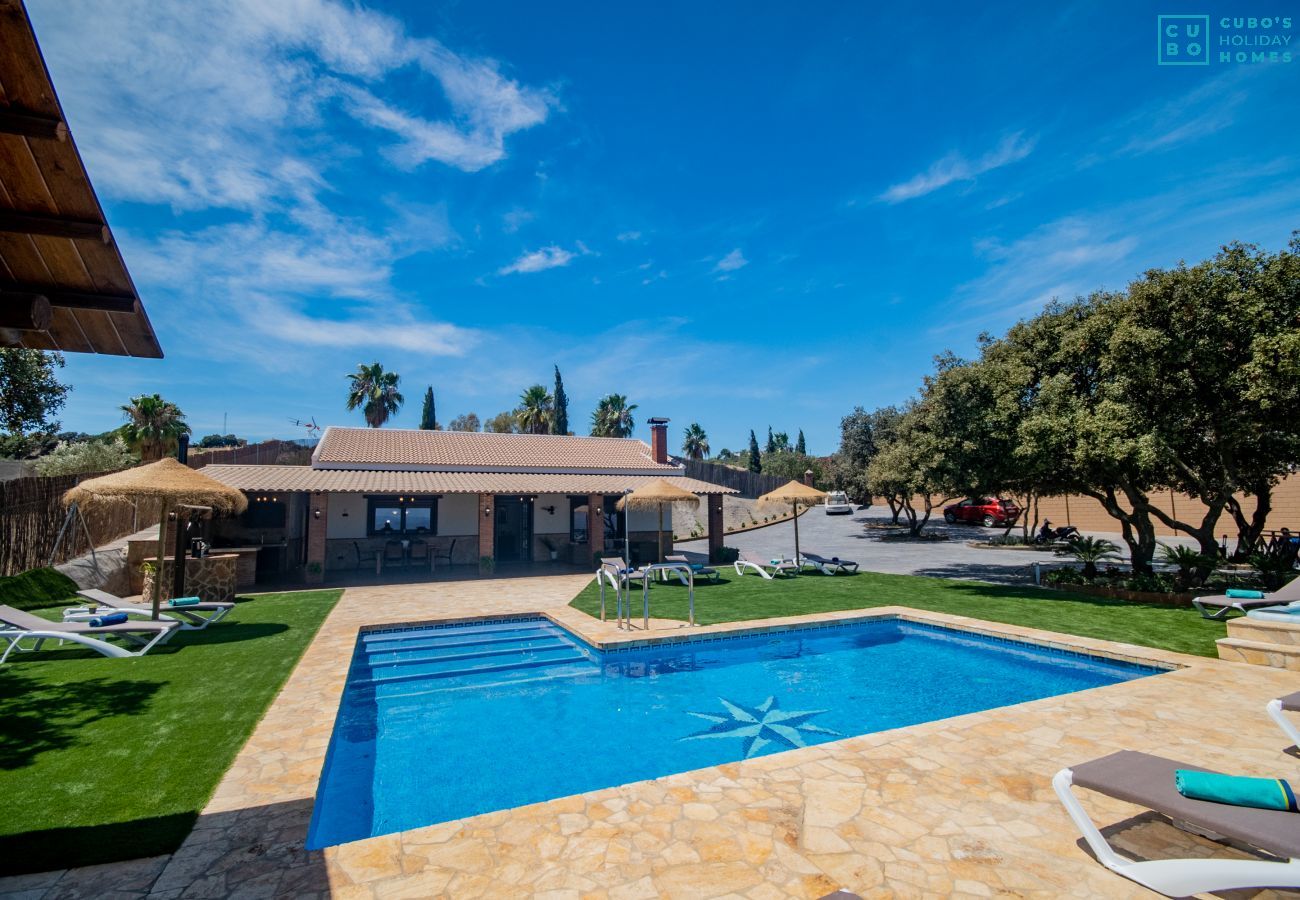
x=1104, y=590
x=908, y=536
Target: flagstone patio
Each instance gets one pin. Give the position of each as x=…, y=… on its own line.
x=958, y=807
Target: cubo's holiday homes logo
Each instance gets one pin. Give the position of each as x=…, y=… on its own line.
x=1195, y=40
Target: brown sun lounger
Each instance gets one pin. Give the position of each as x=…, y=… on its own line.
x=16, y=626
x=1288, y=593
x=1148, y=781
x=194, y=617
x=1289, y=703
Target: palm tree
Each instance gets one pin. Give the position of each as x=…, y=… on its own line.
x=535, y=410
x=695, y=443
x=154, y=426
x=613, y=417
x=375, y=391
x=1090, y=551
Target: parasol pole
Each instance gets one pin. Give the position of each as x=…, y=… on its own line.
x=661, y=533
x=158, y=564
x=794, y=508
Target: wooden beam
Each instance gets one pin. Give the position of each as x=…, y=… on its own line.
x=28, y=125
x=26, y=312
x=119, y=303
x=53, y=226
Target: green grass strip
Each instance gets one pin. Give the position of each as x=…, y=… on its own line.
x=109, y=759
x=740, y=598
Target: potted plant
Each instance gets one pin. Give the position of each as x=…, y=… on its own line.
x=486, y=564
x=552, y=545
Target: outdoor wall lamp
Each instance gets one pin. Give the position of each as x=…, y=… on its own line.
x=345, y=513
x=487, y=511
x=315, y=513
x=549, y=509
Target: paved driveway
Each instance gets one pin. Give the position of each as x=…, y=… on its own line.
x=847, y=538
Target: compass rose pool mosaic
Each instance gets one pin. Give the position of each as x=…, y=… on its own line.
x=440, y=722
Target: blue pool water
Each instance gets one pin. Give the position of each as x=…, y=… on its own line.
x=438, y=723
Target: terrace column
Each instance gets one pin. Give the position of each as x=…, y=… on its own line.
x=486, y=527
x=318, y=516
x=595, y=528
x=714, y=502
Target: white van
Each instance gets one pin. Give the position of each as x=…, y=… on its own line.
x=837, y=504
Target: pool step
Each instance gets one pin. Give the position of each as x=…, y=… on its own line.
x=405, y=663
x=455, y=631
x=463, y=652
x=485, y=680
x=433, y=643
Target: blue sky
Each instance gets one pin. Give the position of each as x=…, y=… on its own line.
x=737, y=214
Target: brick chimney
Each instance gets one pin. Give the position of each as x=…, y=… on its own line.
x=808, y=477
x=659, y=440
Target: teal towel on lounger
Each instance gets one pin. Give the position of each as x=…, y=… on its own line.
x=1239, y=594
x=1237, y=790
x=184, y=601
x=116, y=618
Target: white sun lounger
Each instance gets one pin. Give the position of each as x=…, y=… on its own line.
x=1148, y=781
x=1288, y=593
x=1289, y=703
x=16, y=626
x=192, y=617
x=828, y=566
x=765, y=567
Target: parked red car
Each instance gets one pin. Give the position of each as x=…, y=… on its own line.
x=987, y=511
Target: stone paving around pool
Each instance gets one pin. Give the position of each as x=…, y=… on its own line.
x=957, y=807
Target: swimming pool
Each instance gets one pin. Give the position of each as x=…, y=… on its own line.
x=442, y=722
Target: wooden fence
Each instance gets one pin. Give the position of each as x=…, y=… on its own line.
x=749, y=484
x=32, y=515
x=267, y=453
x=32, y=512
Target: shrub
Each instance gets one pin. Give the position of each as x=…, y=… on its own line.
x=87, y=456
x=1065, y=575
x=1090, y=551
x=37, y=588
x=727, y=555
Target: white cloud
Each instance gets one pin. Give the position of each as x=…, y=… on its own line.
x=629, y=236
x=213, y=103
x=516, y=219
x=956, y=167
x=551, y=257
x=731, y=262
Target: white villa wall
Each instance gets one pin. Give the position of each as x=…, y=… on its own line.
x=458, y=514
x=546, y=523
x=353, y=525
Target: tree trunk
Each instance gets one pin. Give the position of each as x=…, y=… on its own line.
x=1136, y=526
x=1203, y=532
x=1250, y=530
x=895, y=507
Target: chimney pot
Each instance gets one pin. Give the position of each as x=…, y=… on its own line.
x=659, y=440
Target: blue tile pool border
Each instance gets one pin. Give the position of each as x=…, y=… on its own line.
x=743, y=632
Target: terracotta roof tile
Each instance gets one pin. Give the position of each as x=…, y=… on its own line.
x=363, y=481
x=450, y=451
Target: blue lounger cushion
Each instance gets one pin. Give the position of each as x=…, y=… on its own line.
x=1239, y=594
x=115, y=618
x=1236, y=790
x=184, y=601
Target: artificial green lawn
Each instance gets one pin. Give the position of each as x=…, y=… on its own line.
x=105, y=759
x=736, y=598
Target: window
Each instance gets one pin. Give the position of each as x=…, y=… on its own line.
x=578, y=520
x=402, y=515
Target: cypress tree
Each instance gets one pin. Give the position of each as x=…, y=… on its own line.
x=755, y=460
x=771, y=442
x=799, y=446
x=560, y=416
x=428, y=416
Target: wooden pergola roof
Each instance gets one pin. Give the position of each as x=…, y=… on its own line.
x=63, y=284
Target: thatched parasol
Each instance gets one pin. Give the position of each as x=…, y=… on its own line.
x=654, y=495
x=167, y=480
x=797, y=494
